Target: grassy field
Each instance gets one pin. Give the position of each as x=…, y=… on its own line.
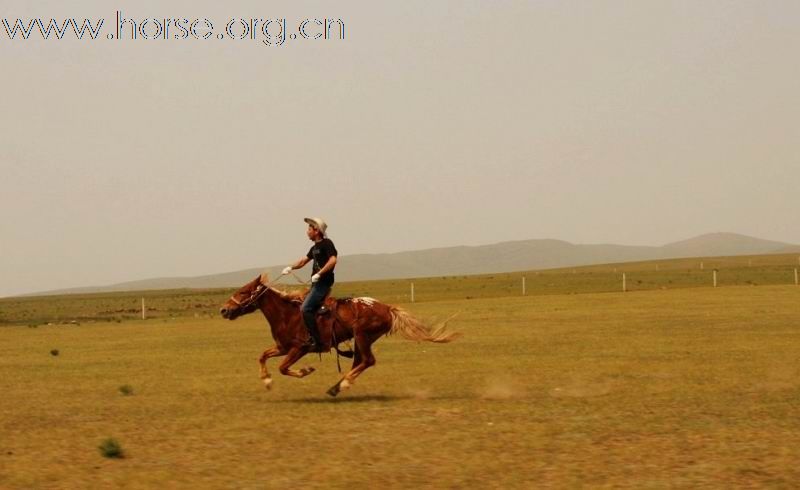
x=677, y=387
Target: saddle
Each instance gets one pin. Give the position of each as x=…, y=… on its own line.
x=329, y=322
x=329, y=305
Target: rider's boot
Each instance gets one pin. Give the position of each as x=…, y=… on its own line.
x=314, y=343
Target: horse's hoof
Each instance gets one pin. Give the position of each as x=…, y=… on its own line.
x=333, y=390
x=267, y=383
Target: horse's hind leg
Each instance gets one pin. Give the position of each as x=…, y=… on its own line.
x=363, y=359
x=294, y=354
x=273, y=351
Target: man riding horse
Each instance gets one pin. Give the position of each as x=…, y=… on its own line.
x=323, y=253
x=363, y=320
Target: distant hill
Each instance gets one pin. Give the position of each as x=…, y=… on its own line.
x=724, y=244
x=499, y=257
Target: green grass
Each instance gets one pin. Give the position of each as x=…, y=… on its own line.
x=111, y=307
x=694, y=387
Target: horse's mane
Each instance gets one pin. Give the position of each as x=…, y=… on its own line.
x=287, y=296
x=290, y=295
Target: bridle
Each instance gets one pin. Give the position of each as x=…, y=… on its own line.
x=257, y=293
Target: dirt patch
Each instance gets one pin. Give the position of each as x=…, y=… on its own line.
x=584, y=388
x=502, y=389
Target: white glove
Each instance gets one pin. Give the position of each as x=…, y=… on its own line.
x=314, y=278
x=286, y=270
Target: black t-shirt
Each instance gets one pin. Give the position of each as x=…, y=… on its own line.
x=320, y=252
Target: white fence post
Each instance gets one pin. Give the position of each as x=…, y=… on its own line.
x=796, y=282
x=144, y=314
x=523, y=286
x=715, y=277
x=412, y=292
x=624, y=285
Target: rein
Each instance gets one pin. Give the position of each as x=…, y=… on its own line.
x=261, y=289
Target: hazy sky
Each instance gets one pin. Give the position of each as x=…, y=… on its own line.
x=433, y=123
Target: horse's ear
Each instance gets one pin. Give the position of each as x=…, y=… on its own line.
x=264, y=278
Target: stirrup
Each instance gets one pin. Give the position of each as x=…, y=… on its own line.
x=314, y=346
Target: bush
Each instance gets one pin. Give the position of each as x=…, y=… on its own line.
x=110, y=448
x=126, y=390
x=54, y=352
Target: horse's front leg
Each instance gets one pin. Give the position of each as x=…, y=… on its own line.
x=294, y=355
x=273, y=351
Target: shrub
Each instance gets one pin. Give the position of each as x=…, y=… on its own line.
x=110, y=448
x=54, y=352
x=126, y=390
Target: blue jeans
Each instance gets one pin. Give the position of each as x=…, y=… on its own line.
x=310, y=306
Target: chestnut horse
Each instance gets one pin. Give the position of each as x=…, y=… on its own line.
x=364, y=320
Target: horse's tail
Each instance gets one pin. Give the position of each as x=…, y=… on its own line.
x=412, y=329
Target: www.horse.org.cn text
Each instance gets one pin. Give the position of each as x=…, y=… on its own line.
x=269, y=31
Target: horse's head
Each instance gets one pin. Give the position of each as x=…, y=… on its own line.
x=245, y=299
